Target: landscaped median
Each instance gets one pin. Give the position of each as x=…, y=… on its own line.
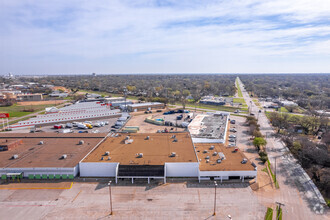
x=273, y=176
x=269, y=214
x=278, y=213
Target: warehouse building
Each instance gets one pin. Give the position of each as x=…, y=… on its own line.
x=29, y=97
x=147, y=106
x=222, y=163
x=44, y=155
x=209, y=128
x=149, y=156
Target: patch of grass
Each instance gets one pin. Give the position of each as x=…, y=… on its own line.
x=283, y=109
x=238, y=100
x=18, y=110
x=265, y=170
x=273, y=175
x=269, y=214
x=278, y=213
x=240, y=94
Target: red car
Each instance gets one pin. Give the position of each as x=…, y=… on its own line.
x=57, y=126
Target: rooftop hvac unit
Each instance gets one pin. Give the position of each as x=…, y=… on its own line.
x=107, y=153
x=218, y=160
x=215, y=153
x=109, y=158
x=212, y=147
x=41, y=143
x=207, y=161
x=64, y=156
x=205, y=151
x=207, y=157
x=173, y=136
x=81, y=142
x=175, y=140
x=129, y=141
x=139, y=155
x=173, y=154
x=147, y=138
x=127, y=138
x=15, y=156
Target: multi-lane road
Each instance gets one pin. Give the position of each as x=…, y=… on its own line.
x=297, y=192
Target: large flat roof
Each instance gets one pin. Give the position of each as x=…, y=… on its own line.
x=145, y=104
x=156, y=150
x=231, y=163
x=210, y=126
x=32, y=154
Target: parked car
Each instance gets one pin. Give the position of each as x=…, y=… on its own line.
x=232, y=145
x=231, y=140
x=236, y=111
x=81, y=126
x=232, y=122
x=259, y=110
x=232, y=130
x=179, y=117
x=232, y=136
x=69, y=125
x=82, y=131
x=146, y=112
x=57, y=126
x=159, y=110
x=252, y=114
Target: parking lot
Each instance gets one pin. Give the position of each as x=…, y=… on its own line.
x=50, y=128
x=186, y=199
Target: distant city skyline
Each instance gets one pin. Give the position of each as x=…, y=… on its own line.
x=188, y=36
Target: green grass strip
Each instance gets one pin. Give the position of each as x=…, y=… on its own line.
x=269, y=214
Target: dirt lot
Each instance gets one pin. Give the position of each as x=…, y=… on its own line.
x=50, y=102
x=138, y=120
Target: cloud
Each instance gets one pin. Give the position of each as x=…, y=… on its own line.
x=164, y=36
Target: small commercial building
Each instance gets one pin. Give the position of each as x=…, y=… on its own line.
x=147, y=106
x=148, y=156
x=29, y=97
x=209, y=128
x=45, y=155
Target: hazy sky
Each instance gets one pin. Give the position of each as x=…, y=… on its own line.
x=179, y=36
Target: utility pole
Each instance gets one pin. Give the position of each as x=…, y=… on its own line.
x=279, y=209
x=109, y=184
x=215, y=196
x=275, y=170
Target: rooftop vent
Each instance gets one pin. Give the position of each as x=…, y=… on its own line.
x=64, y=156
x=128, y=141
x=81, y=142
x=175, y=140
x=41, y=143
x=173, y=154
x=109, y=158
x=107, y=153
x=139, y=155
x=218, y=160
x=207, y=161
x=207, y=157
x=212, y=147
x=147, y=138
x=15, y=156
x=215, y=153
x=204, y=151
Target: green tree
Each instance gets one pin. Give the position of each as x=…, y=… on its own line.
x=258, y=142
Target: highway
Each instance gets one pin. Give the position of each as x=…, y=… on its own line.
x=297, y=192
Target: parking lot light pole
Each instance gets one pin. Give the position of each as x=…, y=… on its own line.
x=215, y=196
x=109, y=184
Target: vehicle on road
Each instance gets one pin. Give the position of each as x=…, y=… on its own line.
x=252, y=114
x=236, y=111
x=179, y=117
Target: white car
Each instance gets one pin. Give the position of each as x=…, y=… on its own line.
x=232, y=145
x=232, y=136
